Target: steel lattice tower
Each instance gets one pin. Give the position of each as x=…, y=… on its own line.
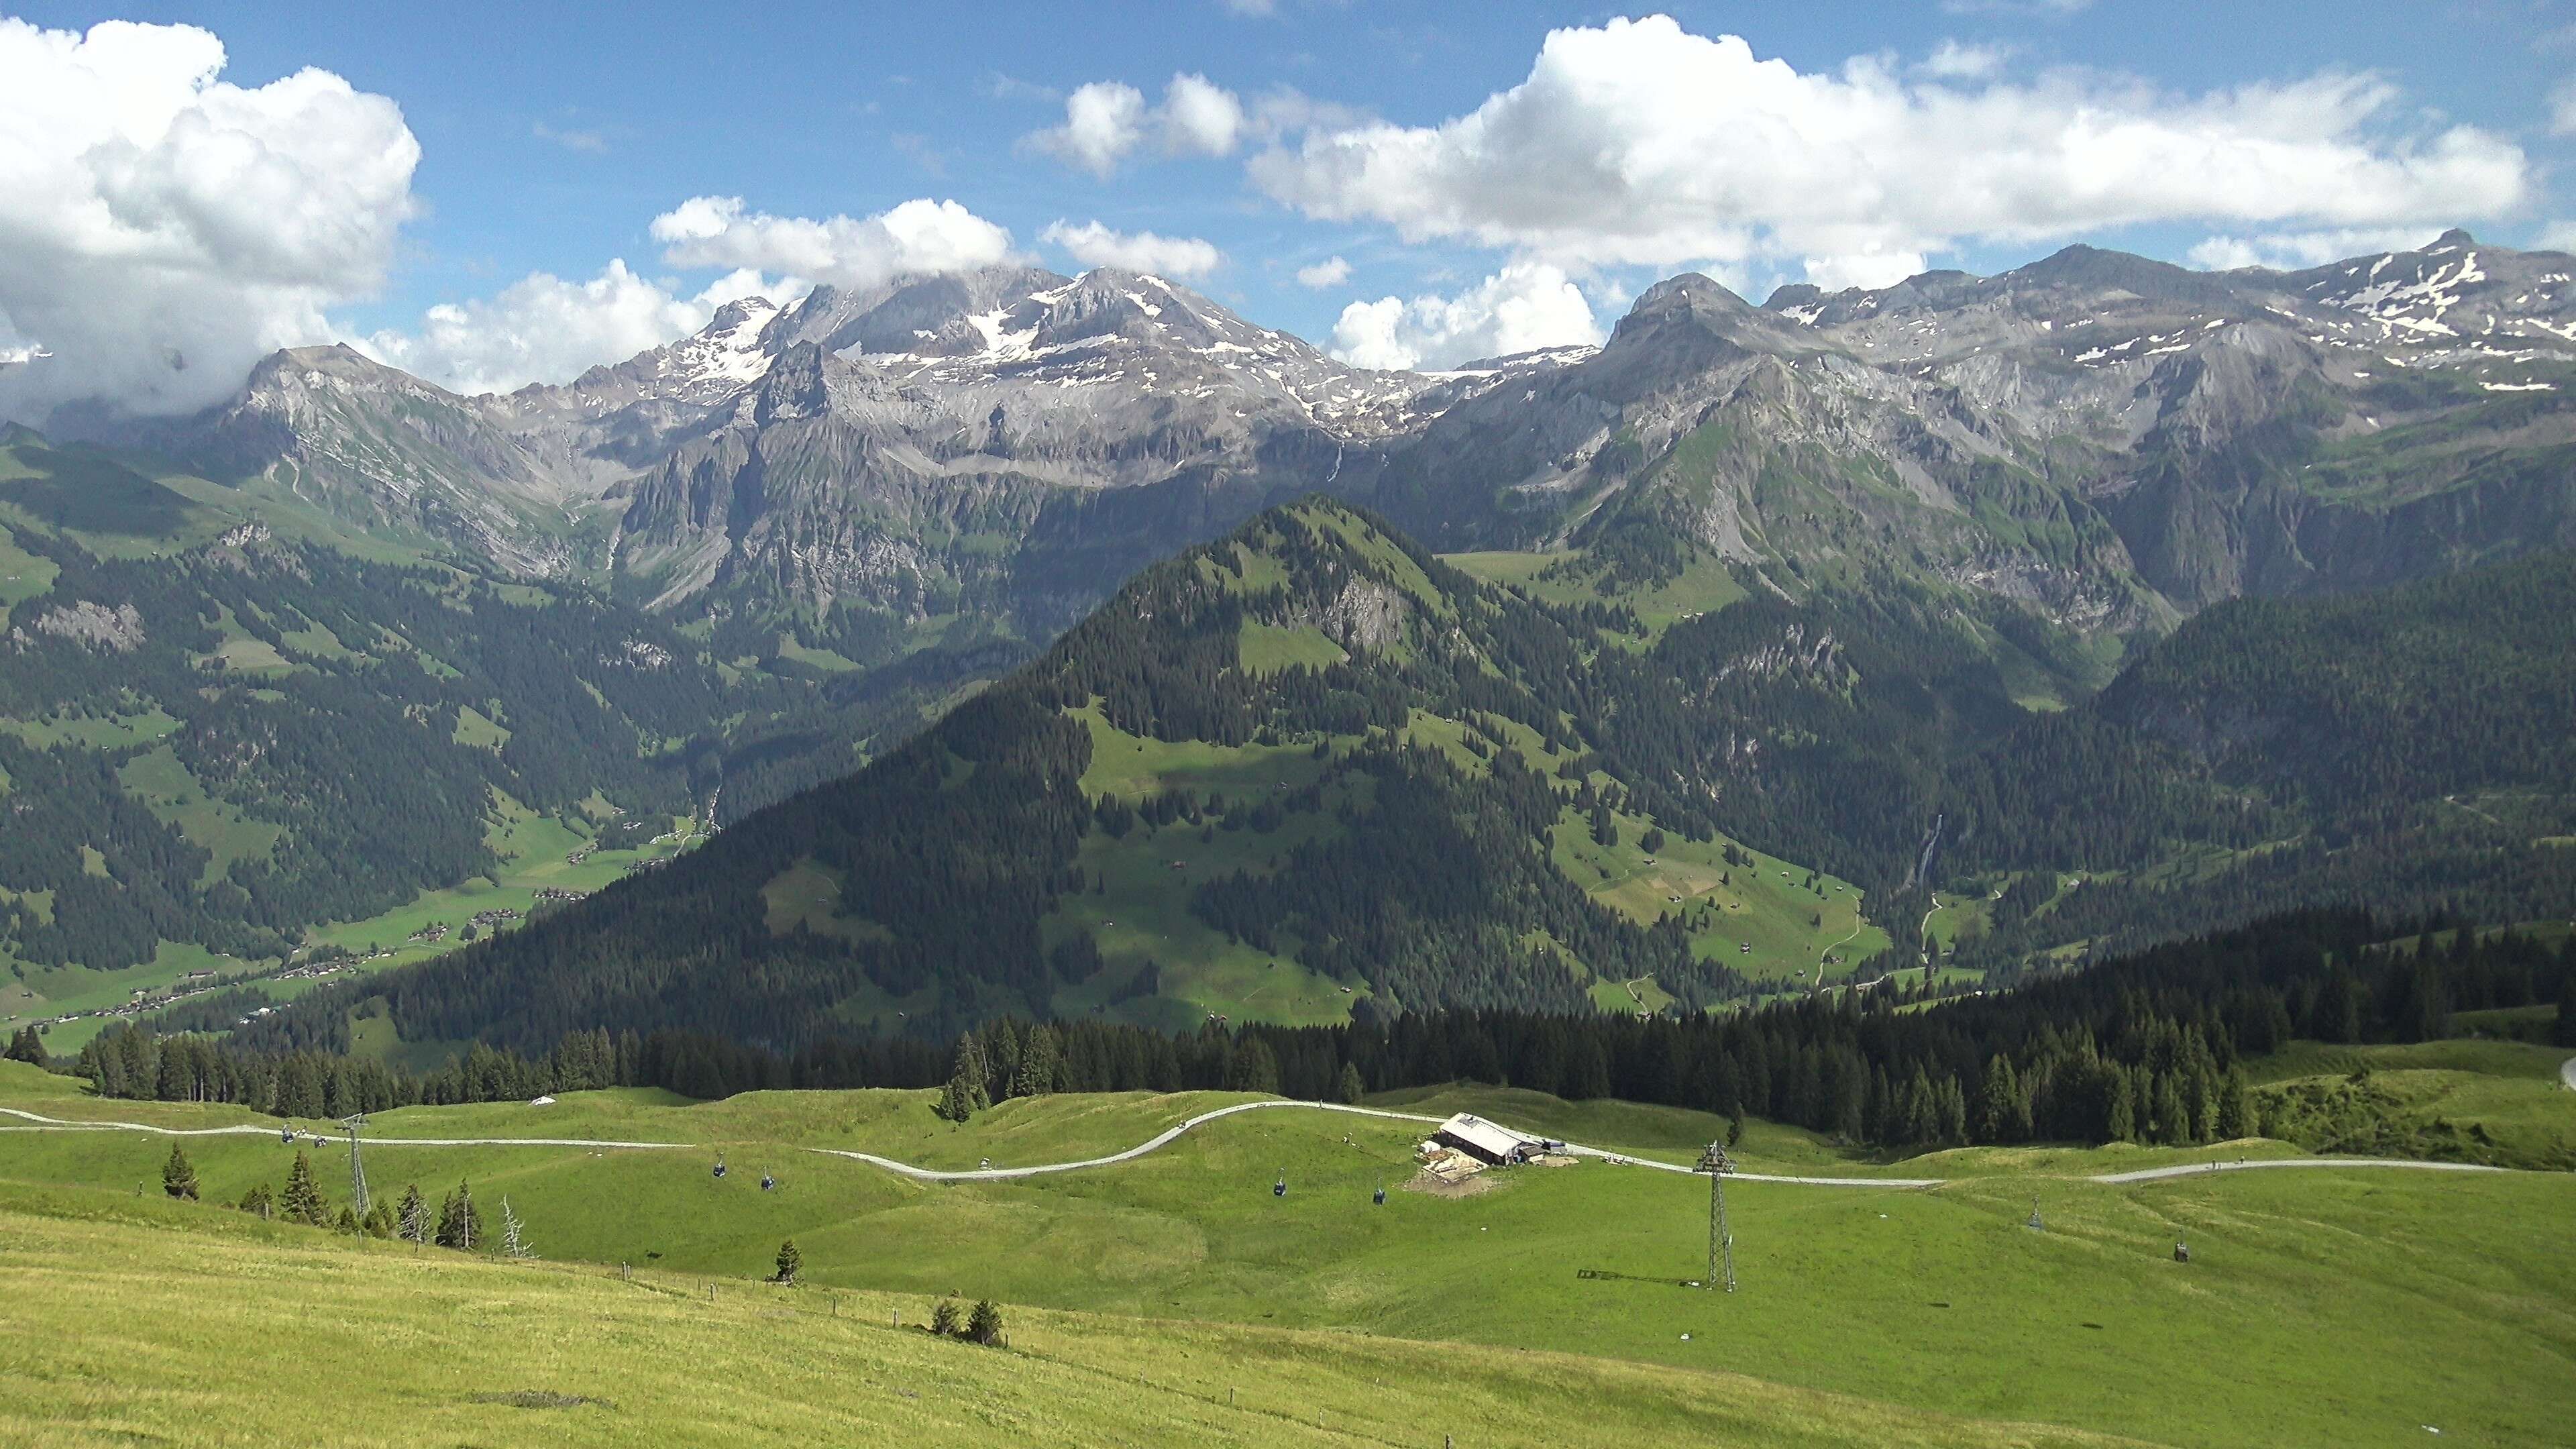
x=357, y=1171
x=1721, y=1240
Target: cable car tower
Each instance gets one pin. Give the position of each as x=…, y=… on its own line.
x=1721, y=1241
x=357, y=1172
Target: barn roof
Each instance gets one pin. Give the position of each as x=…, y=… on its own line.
x=1489, y=1138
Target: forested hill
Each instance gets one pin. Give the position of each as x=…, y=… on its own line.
x=1311, y=770
x=237, y=739
x=2410, y=751
x=1303, y=768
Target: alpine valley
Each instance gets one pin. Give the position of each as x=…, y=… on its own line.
x=1051, y=646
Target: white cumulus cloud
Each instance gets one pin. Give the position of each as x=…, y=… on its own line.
x=1639, y=143
x=1523, y=306
x=921, y=237
x=162, y=229
x=543, y=328
x=2293, y=250
x=1106, y=121
x=1201, y=116
x=1328, y=273
x=1095, y=245
x=1103, y=121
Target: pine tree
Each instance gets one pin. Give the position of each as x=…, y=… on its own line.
x=302, y=1201
x=790, y=1262
x=965, y=1094
x=1040, y=1062
x=1348, y=1089
x=944, y=1319
x=460, y=1222
x=178, y=1178
x=2235, y=1108
x=1995, y=1100
x=2172, y=1118
x=984, y=1325
x=1735, y=1127
x=380, y=1219
x=26, y=1046
x=347, y=1223
x=411, y=1220
x=1255, y=1067
x=260, y=1202
x=2123, y=1123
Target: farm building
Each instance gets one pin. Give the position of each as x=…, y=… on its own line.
x=1487, y=1142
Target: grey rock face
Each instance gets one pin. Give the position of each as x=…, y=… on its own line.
x=2107, y=439
x=95, y=626
x=2103, y=441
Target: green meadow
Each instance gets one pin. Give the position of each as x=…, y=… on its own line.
x=141, y=1320
x=2321, y=1306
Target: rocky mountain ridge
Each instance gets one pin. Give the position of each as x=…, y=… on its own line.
x=2107, y=441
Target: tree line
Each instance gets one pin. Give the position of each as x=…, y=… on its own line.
x=2151, y=1047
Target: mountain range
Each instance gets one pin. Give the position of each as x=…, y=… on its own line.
x=840, y=518
x=2113, y=440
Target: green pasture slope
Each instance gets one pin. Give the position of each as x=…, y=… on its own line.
x=2321, y=1306
x=144, y=1320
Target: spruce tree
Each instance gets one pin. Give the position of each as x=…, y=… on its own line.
x=944, y=1319
x=460, y=1222
x=965, y=1094
x=411, y=1220
x=302, y=1201
x=2235, y=1108
x=178, y=1178
x=1349, y=1088
x=260, y=1202
x=1039, y=1062
x=1995, y=1100
x=26, y=1046
x=1255, y=1067
x=790, y=1262
x=984, y=1325
x=2123, y=1123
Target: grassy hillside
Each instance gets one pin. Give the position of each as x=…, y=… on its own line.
x=227, y=1331
x=2301, y=1319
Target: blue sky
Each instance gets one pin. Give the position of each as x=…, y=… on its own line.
x=549, y=142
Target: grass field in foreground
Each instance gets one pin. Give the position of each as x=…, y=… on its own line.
x=151, y=1322
x=2321, y=1307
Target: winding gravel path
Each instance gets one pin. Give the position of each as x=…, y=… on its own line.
x=1171, y=1134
